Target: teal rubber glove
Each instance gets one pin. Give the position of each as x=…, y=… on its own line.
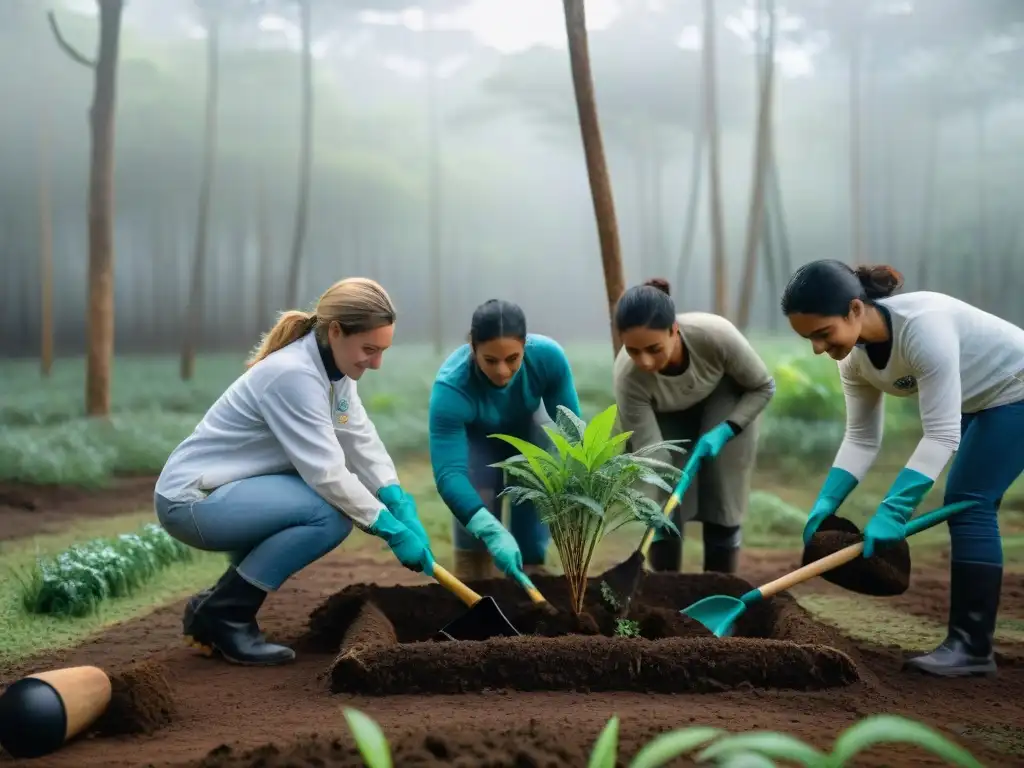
x=711, y=442
x=889, y=523
x=403, y=506
x=406, y=545
x=838, y=485
x=500, y=543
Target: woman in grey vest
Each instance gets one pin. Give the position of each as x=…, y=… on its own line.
x=692, y=376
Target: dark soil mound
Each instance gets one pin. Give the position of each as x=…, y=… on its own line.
x=885, y=574
x=141, y=701
x=384, y=635
x=531, y=747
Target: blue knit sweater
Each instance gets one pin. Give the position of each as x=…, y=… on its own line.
x=464, y=398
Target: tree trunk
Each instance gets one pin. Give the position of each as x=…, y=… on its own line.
x=720, y=263
x=693, y=203
x=194, y=313
x=597, y=167
x=981, y=146
x=265, y=247
x=434, y=202
x=100, y=323
x=856, y=214
x=305, y=154
x=761, y=155
x=931, y=162
x=46, y=331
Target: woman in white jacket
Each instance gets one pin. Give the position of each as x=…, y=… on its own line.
x=283, y=464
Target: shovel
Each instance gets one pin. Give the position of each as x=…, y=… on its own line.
x=484, y=618
x=624, y=578
x=719, y=612
x=524, y=581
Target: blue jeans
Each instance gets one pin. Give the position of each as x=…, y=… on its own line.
x=989, y=460
x=271, y=525
x=530, y=533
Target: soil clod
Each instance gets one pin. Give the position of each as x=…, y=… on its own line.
x=884, y=575
x=141, y=701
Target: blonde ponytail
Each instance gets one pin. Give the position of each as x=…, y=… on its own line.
x=290, y=326
x=356, y=304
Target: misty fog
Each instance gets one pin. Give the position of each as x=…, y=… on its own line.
x=919, y=98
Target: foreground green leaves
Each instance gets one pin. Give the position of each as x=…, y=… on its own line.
x=586, y=487
x=76, y=581
x=753, y=749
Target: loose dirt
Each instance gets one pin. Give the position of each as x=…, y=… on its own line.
x=220, y=713
x=30, y=510
x=384, y=635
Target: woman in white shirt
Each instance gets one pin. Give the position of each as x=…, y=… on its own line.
x=283, y=464
x=967, y=368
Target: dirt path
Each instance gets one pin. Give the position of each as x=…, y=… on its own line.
x=231, y=709
x=30, y=510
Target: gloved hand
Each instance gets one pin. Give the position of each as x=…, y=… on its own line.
x=406, y=545
x=403, y=506
x=889, y=523
x=838, y=485
x=500, y=543
x=711, y=442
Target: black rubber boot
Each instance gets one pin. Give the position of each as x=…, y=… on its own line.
x=721, y=559
x=973, y=605
x=222, y=621
x=666, y=555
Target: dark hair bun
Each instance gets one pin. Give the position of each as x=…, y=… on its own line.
x=878, y=280
x=660, y=283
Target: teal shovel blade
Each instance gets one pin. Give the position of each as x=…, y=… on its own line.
x=719, y=612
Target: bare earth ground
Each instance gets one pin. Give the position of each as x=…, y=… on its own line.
x=27, y=510
x=242, y=708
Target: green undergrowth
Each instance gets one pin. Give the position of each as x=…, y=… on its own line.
x=23, y=633
x=75, y=582
x=44, y=437
x=714, y=746
x=871, y=620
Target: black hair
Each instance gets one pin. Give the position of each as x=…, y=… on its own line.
x=827, y=286
x=497, y=319
x=648, y=306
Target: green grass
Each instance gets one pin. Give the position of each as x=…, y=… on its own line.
x=44, y=437
x=23, y=633
x=870, y=620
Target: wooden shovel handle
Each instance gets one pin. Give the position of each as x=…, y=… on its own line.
x=506, y=520
x=671, y=504
x=456, y=587
x=846, y=554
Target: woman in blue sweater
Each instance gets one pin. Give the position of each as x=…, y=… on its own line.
x=495, y=383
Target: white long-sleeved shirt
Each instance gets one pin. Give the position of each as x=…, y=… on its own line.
x=284, y=413
x=955, y=357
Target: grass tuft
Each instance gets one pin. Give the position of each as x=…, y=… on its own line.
x=75, y=582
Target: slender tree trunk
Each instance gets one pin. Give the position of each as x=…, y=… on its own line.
x=931, y=162
x=265, y=247
x=46, y=332
x=981, y=138
x=718, y=248
x=597, y=167
x=856, y=213
x=435, y=209
x=657, y=183
x=305, y=154
x=762, y=153
x=100, y=317
x=693, y=202
x=194, y=313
